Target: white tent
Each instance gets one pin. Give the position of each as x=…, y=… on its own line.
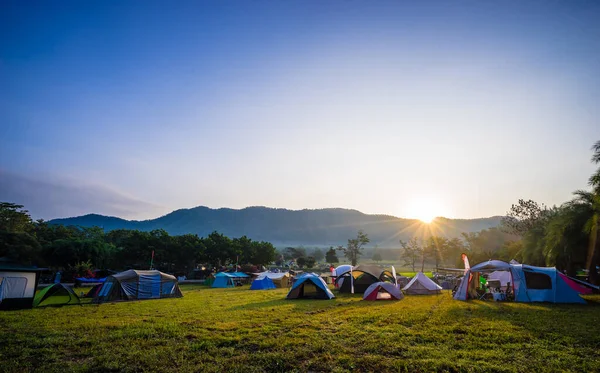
x=17, y=286
x=340, y=270
x=421, y=285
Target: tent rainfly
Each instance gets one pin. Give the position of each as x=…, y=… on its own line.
x=280, y=279
x=17, y=286
x=137, y=285
x=55, y=295
x=529, y=283
x=383, y=291
x=264, y=283
x=310, y=286
x=421, y=285
x=363, y=276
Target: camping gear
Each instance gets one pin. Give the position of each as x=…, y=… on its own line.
x=421, y=285
x=383, y=291
x=17, y=286
x=529, y=283
x=363, y=276
x=138, y=285
x=55, y=295
x=310, y=286
x=264, y=283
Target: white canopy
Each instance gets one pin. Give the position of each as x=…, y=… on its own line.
x=272, y=275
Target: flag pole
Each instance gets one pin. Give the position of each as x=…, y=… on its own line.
x=152, y=260
x=351, y=281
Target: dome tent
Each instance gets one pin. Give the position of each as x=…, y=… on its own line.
x=421, y=285
x=383, y=291
x=264, y=283
x=136, y=285
x=363, y=276
x=339, y=271
x=310, y=286
x=55, y=295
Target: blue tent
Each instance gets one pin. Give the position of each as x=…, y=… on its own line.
x=264, y=283
x=529, y=283
x=224, y=280
x=311, y=286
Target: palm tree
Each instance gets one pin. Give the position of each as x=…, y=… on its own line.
x=595, y=178
x=590, y=202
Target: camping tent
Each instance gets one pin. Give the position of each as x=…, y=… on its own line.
x=134, y=285
x=363, y=276
x=93, y=291
x=17, y=286
x=311, y=286
x=338, y=271
x=402, y=281
x=421, y=285
x=55, y=295
x=280, y=279
x=529, y=283
x=264, y=283
x=382, y=291
x=228, y=279
x=224, y=280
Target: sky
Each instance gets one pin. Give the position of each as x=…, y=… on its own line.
x=407, y=108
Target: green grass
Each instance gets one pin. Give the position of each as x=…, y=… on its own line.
x=215, y=330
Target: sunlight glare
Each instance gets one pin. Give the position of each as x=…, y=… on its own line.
x=424, y=209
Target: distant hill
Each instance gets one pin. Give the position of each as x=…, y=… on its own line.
x=282, y=227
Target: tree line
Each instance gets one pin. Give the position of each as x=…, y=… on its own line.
x=66, y=247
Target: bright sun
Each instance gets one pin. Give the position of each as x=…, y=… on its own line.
x=424, y=209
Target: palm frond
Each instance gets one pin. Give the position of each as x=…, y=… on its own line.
x=596, y=150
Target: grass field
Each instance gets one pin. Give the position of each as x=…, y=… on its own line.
x=215, y=330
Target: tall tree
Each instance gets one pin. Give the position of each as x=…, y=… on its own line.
x=318, y=255
x=331, y=256
x=589, y=204
x=376, y=256
x=411, y=252
x=355, y=247
x=14, y=219
x=593, y=256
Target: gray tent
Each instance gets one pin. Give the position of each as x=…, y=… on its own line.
x=136, y=285
x=17, y=285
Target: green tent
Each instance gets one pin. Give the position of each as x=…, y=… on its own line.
x=55, y=295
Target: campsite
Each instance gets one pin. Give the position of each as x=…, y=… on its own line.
x=299, y=186
x=235, y=329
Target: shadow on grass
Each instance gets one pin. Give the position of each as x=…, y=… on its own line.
x=316, y=305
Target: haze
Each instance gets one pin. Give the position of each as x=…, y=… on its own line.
x=141, y=108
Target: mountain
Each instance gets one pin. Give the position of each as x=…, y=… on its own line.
x=283, y=227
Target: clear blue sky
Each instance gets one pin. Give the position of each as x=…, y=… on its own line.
x=137, y=108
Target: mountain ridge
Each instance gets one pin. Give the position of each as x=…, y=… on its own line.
x=315, y=227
